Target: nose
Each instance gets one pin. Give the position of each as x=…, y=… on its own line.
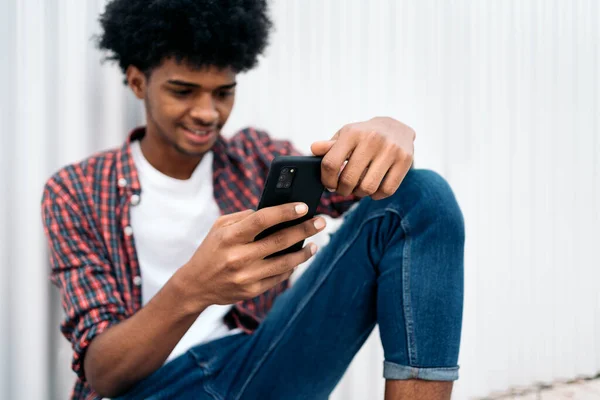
x=204, y=111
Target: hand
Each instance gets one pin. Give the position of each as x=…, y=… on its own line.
x=379, y=153
x=229, y=266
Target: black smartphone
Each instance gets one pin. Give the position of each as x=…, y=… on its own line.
x=292, y=179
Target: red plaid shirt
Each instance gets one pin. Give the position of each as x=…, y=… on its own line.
x=85, y=210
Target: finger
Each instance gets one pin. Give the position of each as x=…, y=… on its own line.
x=341, y=169
x=276, y=266
x=229, y=219
x=248, y=228
x=272, y=281
x=352, y=173
x=392, y=181
x=321, y=147
x=374, y=176
x=334, y=159
x=287, y=237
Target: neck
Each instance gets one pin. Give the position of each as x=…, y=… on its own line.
x=163, y=156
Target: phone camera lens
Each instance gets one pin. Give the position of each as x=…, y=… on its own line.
x=279, y=185
x=281, y=178
x=284, y=171
x=287, y=185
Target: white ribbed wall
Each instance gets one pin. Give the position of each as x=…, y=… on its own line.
x=503, y=96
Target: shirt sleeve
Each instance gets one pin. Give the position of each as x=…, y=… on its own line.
x=331, y=204
x=81, y=271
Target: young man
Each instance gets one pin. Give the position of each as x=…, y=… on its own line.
x=165, y=292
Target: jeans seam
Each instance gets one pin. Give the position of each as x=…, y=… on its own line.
x=306, y=300
x=211, y=391
x=406, y=299
x=407, y=302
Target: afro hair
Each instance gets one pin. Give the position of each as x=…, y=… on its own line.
x=220, y=33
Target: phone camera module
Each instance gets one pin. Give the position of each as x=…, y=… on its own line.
x=285, y=178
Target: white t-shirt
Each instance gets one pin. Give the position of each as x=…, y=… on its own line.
x=171, y=220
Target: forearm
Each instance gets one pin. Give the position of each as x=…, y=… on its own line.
x=128, y=352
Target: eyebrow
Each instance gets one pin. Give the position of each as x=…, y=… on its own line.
x=195, y=85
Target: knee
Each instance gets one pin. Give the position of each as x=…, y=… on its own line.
x=427, y=199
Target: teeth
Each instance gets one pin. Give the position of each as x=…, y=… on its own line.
x=199, y=133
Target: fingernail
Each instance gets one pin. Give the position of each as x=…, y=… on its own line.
x=331, y=190
x=313, y=248
x=301, y=208
x=319, y=223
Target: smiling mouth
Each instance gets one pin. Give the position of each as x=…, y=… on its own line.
x=200, y=132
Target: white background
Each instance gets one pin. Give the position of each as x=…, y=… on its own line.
x=503, y=96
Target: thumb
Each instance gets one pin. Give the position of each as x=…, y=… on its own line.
x=321, y=147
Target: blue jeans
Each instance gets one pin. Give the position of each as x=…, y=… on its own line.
x=396, y=262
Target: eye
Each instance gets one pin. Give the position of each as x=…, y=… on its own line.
x=181, y=93
x=223, y=94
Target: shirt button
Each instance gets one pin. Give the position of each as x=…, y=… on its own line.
x=122, y=182
x=137, y=280
x=128, y=231
x=135, y=199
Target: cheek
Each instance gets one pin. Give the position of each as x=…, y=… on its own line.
x=225, y=109
x=172, y=109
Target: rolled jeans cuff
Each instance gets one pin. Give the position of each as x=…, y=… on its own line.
x=403, y=372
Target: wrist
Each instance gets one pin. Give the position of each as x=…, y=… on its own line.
x=189, y=300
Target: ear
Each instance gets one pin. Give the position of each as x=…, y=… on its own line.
x=137, y=81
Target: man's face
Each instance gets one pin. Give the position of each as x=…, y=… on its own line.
x=185, y=107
